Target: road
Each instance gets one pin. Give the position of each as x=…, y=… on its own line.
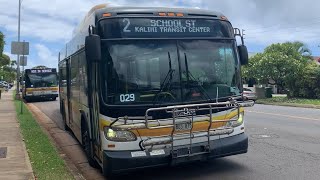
x=284, y=143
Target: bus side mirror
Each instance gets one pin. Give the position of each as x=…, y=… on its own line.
x=243, y=53
x=93, y=48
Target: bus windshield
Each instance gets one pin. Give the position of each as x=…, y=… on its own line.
x=170, y=71
x=41, y=80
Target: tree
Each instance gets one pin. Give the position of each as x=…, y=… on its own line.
x=4, y=60
x=280, y=64
x=1, y=43
x=6, y=70
x=307, y=85
x=13, y=63
x=40, y=67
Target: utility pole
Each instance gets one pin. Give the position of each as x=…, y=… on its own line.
x=18, y=59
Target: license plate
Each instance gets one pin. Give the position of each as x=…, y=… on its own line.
x=183, y=126
x=40, y=92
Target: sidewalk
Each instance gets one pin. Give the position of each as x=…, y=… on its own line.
x=14, y=160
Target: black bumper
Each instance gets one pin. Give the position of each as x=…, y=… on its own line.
x=117, y=162
x=45, y=96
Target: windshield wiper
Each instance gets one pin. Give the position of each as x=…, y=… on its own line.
x=189, y=74
x=167, y=80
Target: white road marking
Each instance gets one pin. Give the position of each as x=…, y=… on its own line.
x=284, y=115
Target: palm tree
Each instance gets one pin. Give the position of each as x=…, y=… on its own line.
x=13, y=63
x=40, y=67
x=302, y=48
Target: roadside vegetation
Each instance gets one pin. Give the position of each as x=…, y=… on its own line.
x=290, y=67
x=45, y=160
x=7, y=70
x=299, y=102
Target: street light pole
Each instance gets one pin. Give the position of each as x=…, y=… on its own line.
x=18, y=60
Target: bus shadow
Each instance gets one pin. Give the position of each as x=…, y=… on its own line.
x=196, y=170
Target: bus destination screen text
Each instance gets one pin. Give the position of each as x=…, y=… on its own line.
x=41, y=71
x=164, y=26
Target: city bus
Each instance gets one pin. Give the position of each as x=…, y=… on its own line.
x=40, y=84
x=146, y=87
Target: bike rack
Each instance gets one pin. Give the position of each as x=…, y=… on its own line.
x=182, y=114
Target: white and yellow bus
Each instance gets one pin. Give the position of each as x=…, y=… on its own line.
x=146, y=87
x=40, y=84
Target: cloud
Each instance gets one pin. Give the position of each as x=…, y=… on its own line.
x=44, y=57
x=12, y=57
x=55, y=22
x=272, y=21
x=265, y=22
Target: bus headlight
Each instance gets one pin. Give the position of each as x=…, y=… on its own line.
x=119, y=136
x=236, y=123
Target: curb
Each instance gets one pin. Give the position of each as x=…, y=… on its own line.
x=311, y=106
x=29, y=166
x=68, y=147
x=27, y=158
x=49, y=127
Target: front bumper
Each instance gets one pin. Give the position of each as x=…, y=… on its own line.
x=250, y=97
x=44, y=96
x=117, y=162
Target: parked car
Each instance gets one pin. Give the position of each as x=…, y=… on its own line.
x=248, y=94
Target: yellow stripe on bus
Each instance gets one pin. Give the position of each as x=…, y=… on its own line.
x=42, y=89
x=197, y=126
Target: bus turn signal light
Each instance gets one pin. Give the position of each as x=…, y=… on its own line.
x=171, y=14
x=162, y=14
x=111, y=145
x=224, y=18
x=179, y=14
x=106, y=15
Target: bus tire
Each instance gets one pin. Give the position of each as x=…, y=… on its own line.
x=86, y=144
x=60, y=103
x=66, y=127
x=54, y=99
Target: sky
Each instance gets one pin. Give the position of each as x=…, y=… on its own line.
x=48, y=25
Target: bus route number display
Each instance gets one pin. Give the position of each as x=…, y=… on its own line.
x=166, y=27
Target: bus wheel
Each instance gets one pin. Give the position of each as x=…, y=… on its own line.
x=86, y=144
x=65, y=121
x=53, y=99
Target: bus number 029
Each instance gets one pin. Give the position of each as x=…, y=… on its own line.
x=125, y=29
x=127, y=98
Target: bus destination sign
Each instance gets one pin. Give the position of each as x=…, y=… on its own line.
x=35, y=71
x=164, y=27
x=168, y=26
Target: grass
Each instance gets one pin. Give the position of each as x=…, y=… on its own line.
x=290, y=101
x=45, y=159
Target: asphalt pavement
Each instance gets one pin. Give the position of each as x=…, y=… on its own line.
x=284, y=143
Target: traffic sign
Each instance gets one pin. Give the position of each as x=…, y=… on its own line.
x=23, y=60
x=20, y=48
